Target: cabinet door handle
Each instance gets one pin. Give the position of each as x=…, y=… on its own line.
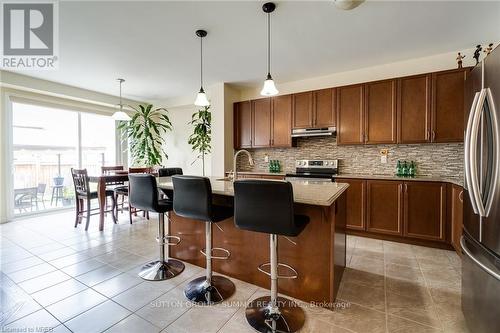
x=461, y=196
x=433, y=136
x=428, y=135
x=406, y=188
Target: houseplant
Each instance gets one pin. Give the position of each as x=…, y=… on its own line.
x=144, y=135
x=201, y=138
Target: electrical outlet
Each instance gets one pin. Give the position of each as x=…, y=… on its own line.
x=383, y=156
x=266, y=158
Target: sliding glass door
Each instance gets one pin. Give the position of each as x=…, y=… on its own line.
x=98, y=142
x=47, y=143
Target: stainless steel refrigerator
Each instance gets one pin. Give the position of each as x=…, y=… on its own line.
x=481, y=239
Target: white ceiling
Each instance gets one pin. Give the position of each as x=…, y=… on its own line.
x=153, y=46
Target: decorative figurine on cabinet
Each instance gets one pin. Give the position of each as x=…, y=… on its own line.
x=488, y=49
x=459, y=59
x=477, y=53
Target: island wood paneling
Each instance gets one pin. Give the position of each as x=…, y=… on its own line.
x=318, y=256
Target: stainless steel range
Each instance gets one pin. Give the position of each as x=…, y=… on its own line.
x=317, y=170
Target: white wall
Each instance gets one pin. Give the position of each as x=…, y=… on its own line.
x=221, y=96
x=231, y=95
x=179, y=151
x=15, y=81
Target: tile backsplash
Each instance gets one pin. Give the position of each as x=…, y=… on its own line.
x=439, y=160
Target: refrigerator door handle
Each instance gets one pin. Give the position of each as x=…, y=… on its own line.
x=467, y=159
x=496, y=154
x=479, y=263
x=474, y=177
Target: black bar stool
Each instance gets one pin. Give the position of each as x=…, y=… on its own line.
x=143, y=194
x=267, y=206
x=193, y=200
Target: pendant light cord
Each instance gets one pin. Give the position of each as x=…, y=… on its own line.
x=121, y=104
x=268, y=43
x=201, y=62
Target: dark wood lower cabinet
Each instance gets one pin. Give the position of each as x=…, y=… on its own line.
x=383, y=206
x=318, y=253
x=356, y=203
x=416, y=212
x=425, y=210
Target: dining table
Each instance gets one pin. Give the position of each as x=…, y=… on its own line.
x=102, y=181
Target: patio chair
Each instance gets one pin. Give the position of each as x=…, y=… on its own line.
x=25, y=198
x=40, y=193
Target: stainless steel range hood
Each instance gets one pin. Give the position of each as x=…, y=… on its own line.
x=320, y=131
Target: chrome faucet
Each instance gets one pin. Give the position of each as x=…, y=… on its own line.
x=250, y=160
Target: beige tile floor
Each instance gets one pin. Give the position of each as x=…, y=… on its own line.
x=55, y=276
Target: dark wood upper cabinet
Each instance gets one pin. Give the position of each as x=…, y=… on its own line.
x=355, y=205
x=242, y=125
x=380, y=112
x=281, y=126
x=324, y=108
x=303, y=109
x=448, y=90
x=414, y=109
x=261, y=109
x=425, y=210
x=350, y=115
x=384, y=206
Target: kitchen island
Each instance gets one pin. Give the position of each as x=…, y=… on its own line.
x=319, y=252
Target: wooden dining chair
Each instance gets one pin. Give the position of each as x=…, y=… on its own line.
x=123, y=191
x=83, y=194
x=109, y=170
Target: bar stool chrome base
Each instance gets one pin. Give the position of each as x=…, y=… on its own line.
x=290, y=319
x=161, y=270
x=201, y=292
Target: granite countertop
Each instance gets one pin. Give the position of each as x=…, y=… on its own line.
x=304, y=192
x=423, y=178
x=266, y=173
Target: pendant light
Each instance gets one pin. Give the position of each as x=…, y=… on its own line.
x=120, y=115
x=201, y=97
x=269, y=88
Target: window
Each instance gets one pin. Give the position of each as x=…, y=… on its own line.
x=47, y=143
x=98, y=142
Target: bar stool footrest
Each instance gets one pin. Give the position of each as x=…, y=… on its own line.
x=166, y=240
x=228, y=254
x=294, y=274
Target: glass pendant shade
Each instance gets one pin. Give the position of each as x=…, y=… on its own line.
x=201, y=99
x=269, y=88
x=122, y=116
